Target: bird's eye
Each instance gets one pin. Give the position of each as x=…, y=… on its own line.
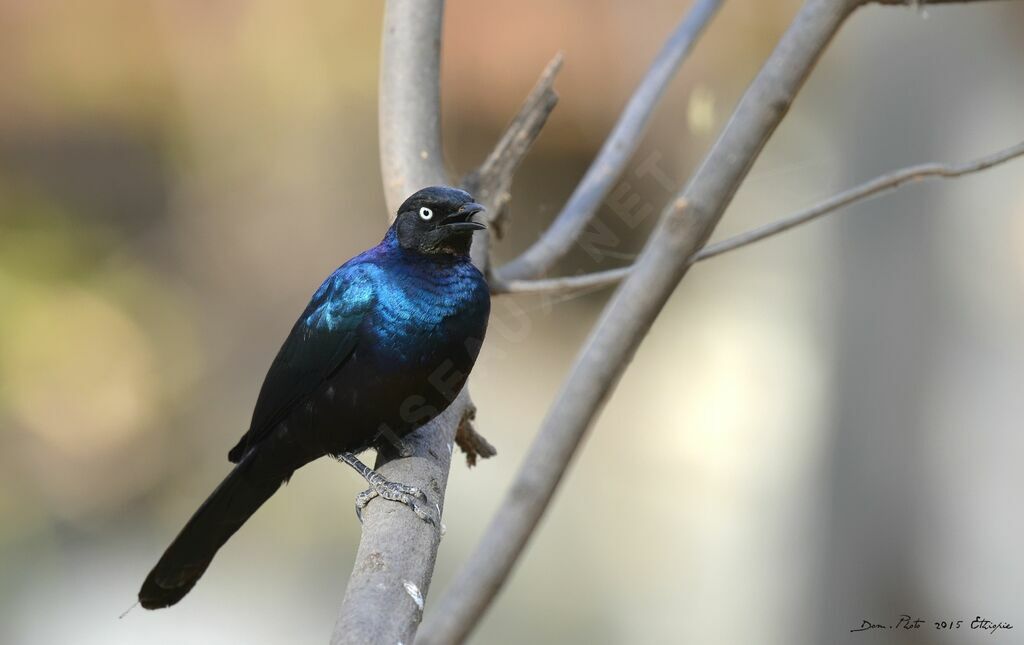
x=426, y=214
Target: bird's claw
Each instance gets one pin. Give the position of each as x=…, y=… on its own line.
x=411, y=496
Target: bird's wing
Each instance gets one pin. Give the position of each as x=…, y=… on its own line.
x=321, y=341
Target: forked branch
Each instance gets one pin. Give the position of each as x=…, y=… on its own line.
x=685, y=225
x=394, y=564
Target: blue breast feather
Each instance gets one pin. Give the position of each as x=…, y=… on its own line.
x=402, y=301
x=408, y=311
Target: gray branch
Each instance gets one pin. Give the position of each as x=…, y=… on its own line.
x=491, y=183
x=394, y=564
x=919, y=3
x=685, y=225
x=615, y=153
x=409, y=108
x=566, y=284
x=872, y=188
x=395, y=560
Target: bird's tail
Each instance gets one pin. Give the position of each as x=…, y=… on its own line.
x=241, y=493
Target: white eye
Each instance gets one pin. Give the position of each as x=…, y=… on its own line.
x=426, y=213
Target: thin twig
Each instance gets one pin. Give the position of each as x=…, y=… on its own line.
x=872, y=188
x=491, y=183
x=567, y=284
x=685, y=225
x=919, y=3
x=559, y=238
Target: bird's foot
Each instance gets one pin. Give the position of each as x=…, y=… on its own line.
x=411, y=496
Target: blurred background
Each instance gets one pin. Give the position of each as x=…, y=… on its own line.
x=821, y=429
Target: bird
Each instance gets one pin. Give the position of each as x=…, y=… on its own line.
x=385, y=345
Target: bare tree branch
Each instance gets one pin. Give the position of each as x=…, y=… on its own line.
x=615, y=153
x=919, y=3
x=492, y=182
x=409, y=108
x=567, y=284
x=394, y=564
x=872, y=188
x=395, y=560
x=685, y=225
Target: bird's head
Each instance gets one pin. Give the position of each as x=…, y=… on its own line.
x=438, y=219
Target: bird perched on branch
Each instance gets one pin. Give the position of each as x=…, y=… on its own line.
x=385, y=345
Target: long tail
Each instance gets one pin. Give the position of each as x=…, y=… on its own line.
x=241, y=493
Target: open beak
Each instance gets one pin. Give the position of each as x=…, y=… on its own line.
x=461, y=220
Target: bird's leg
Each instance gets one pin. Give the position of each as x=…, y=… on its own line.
x=411, y=496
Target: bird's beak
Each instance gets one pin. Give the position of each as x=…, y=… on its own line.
x=460, y=220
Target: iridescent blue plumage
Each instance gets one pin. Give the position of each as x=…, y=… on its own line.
x=385, y=320
x=385, y=344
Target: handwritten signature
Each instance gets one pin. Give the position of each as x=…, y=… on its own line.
x=905, y=621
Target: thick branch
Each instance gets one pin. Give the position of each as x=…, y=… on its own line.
x=686, y=223
x=409, y=108
x=867, y=190
x=394, y=565
x=615, y=153
x=395, y=560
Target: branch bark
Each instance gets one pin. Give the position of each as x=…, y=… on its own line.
x=920, y=3
x=394, y=564
x=565, y=284
x=685, y=225
x=614, y=154
x=409, y=107
x=491, y=183
x=872, y=188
